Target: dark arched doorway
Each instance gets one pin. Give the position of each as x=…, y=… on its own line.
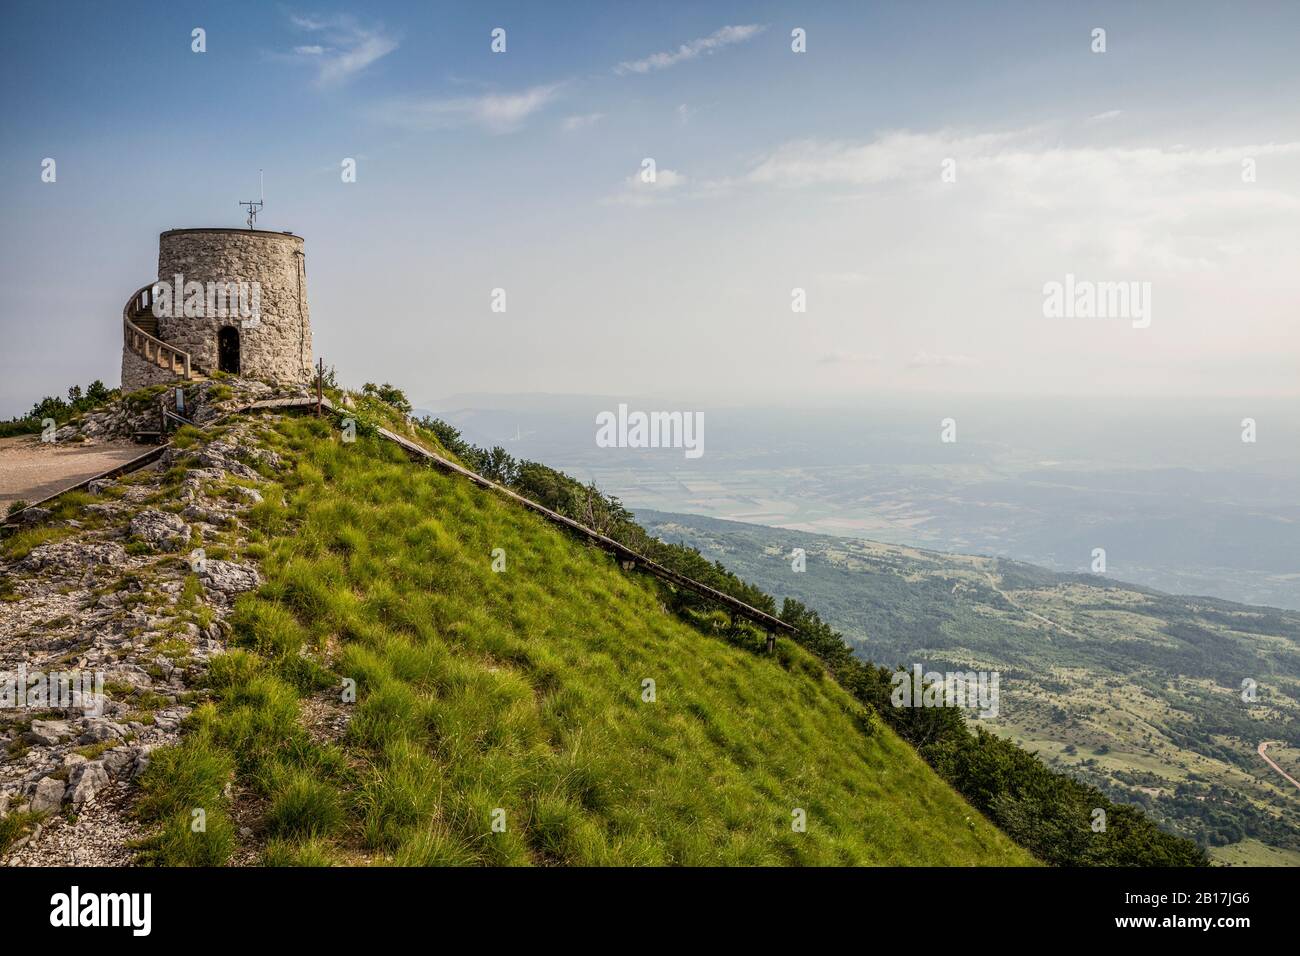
x=228, y=350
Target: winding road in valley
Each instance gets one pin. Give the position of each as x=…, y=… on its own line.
x=1269, y=760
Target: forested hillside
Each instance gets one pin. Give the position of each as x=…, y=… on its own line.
x=1134, y=691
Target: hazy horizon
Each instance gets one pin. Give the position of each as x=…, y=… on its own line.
x=1176, y=497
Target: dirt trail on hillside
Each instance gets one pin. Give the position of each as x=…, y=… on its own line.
x=1024, y=610
x=31, y=469
x=1269, y=760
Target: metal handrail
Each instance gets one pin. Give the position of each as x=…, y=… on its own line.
x=766, y=621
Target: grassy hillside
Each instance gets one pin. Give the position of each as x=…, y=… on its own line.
x=515, y=696
x=1131, y=690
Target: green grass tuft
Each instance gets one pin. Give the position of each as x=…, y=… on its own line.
x=14, y=826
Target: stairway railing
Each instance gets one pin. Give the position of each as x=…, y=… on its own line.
x=629, y=558
x=149, y=347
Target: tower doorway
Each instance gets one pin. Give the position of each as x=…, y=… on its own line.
x=228, y=350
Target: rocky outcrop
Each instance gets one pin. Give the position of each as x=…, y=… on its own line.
x=165, y=531
x=108, y=599
x=68, y=557
x=48, y=795
x=138, y=412
x=47, y=732
x=228, y=577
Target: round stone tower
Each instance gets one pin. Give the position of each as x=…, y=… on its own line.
x=230, y=300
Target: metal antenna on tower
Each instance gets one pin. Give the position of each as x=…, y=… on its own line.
x=254, y=207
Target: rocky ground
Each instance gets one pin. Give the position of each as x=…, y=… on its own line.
x=114, y=584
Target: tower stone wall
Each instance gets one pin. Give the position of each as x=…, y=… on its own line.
x=137, y=373
x=274, y=347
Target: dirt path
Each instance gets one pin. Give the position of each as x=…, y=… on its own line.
x=1269, y=760
x=1024, y=610
x=31, y=469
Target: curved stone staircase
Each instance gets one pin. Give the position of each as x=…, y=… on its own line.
x=140, y=336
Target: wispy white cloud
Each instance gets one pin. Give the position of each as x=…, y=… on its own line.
x=846, y=278
x=893, y=155
x=941, y=360
x=842, y=357
x=727, y=36
x=305, y=21
x=495, y=112
x=905, y=155
x=572, y=123
x=1177, y=207
x=1108, y=115
x=637, y=192
x=345, y=50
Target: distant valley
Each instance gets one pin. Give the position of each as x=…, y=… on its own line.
x=1135, y=691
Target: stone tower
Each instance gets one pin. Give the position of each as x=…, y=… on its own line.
x=231, y=300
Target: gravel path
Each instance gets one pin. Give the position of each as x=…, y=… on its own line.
x=31, y=469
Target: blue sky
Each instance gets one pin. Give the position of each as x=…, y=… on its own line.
x=776, y=170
